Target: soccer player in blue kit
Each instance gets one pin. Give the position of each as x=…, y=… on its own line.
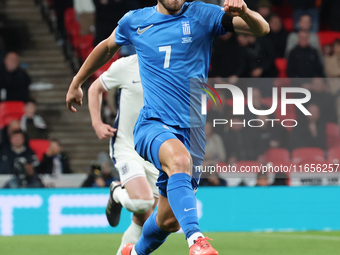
x=173, y=41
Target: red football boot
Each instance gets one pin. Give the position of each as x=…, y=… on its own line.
x=127, y=249
x=202, y=247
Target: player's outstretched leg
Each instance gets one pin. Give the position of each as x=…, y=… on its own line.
x=154, y=234
x=157, y=228
x=176, y=162
x=180, y=205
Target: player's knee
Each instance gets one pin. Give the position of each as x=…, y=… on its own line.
x=181, y=164
x=142, y=195
x=141, y=206
x=170, y=225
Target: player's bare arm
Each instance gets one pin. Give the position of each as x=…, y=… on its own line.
x=246, y=21
x=101, y=54
x=95, y=95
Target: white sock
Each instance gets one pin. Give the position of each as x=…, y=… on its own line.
x=133, y=205
x=131, y=235
x=193, y=237
x=119, y=195
x=133, y=251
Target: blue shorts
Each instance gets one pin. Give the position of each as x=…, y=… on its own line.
x=150, y=134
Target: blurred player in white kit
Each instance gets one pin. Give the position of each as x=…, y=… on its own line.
x=137, y=191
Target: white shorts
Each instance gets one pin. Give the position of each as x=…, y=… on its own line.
x=135, y=166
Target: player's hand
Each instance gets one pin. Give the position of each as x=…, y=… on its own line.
x=257, y=72
x=235, y=8
x=74, y=96
x=104, y=131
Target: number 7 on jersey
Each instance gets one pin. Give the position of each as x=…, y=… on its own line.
x=167, y=50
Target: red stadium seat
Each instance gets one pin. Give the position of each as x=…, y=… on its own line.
x=85, y=45
x=10, y=110
x=288, y=24
x=302, y=154
x=328, y=37
x=332, y=135
x=39, y=146
x=69, y=18
x=281, y=65
x=333, y=155
x=277, y=154
x=72, y=27
x=284, y=11
x=74, y=35
x=86, y=52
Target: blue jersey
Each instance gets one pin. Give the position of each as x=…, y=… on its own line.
x=171, y=50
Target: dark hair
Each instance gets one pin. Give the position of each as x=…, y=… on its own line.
x=55, y=140
x=304, y=15
x=336, y=41
x=31, y=100
x=275, y=15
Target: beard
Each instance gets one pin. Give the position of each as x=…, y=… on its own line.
x=172, y=6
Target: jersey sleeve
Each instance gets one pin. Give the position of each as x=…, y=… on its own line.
x=123, y=30
x=112, y=78
x=211, y=15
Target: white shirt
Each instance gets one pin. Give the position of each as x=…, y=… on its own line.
x=84, y=6
x=124, y=75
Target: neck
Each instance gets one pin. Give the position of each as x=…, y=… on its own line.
x=18, y=149
x=161, y=9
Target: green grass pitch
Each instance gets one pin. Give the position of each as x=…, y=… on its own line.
x=278, y=243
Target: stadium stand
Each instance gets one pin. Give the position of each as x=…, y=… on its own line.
x=328, y=37
x=333, y=155
x=277, y=155
x=39, y=146
x=10, y=110
x=304, y=154
x=48, y=63
x=281, y=65
x=288, y=24
x=332, y=135
x=51, y=69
